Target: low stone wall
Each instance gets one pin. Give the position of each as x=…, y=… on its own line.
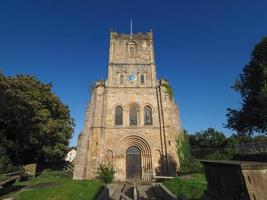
x=107, y=192
x=252, y=147
x=163, y=192
x=235, y=180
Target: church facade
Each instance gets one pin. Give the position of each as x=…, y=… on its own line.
x=131, y=122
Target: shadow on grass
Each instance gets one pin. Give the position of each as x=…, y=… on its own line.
x=10, y=189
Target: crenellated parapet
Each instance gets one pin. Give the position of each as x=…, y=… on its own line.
x=138, y=36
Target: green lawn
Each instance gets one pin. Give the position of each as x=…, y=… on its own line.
x=191, y=186
x=56, y=186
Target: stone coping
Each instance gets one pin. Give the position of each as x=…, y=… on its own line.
x=165, y=192
x=244, y=165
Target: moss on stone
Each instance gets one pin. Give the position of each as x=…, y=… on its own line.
x=168, y=90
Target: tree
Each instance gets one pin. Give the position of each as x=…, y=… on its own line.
x=35, y=126
x=207, y=138
x=252, y=84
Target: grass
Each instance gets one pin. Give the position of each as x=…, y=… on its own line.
x=192, y=187
x=53, y=185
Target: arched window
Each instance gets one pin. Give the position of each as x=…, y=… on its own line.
x=131, y=52
x=133, y=116
x=118, y=115
x=148, y=115
x=142, y=79
x=121, y=79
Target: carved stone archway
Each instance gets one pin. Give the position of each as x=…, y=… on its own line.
x=120, y=156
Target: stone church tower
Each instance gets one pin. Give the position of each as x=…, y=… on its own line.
x=132, y=121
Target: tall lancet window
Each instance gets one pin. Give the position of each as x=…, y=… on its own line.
x=142, y=79
x=148, y=115
x=131, y=52
x=121, y=79
x=133, y=116
x=118, y=115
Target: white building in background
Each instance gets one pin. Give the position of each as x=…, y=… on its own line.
x=71, y=156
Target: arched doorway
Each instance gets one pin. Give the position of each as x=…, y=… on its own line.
x=133, y=163
x=120, y=157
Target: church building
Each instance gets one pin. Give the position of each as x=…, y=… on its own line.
x=132, y=121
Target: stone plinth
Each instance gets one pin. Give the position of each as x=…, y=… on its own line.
x=235, y=180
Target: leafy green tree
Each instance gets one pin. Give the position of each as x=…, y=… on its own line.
x=252, y=84
x=35, y=126
x=207, y=138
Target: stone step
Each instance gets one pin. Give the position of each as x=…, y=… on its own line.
x=123, y=192
x=144, y=191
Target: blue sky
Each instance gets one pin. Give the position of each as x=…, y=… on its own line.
x=200, y=47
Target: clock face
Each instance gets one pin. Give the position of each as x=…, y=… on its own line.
x=132, y=77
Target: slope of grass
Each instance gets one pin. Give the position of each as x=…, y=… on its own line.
x=191, y=186
x=53, y=185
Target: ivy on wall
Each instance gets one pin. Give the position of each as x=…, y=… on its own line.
x=168, y=90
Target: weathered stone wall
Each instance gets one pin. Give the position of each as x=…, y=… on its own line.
x=131, y=54
x=83, y=143
x=136, y=48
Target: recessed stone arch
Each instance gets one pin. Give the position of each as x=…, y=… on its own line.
x=148, y=115
x=109, y=157
x=133, y=111
x=118, y=104
x=148, y=104
x=118, y=115
x=120, y=155
x=133, y=104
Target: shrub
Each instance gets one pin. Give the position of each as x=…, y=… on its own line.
x=105, y=173
x=188, y=164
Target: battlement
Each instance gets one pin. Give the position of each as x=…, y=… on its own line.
x=136, y=36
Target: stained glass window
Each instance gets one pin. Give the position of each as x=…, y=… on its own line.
x=133, y=116
x=148, y=115
x=118, y=115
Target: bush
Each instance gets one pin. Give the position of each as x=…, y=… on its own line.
x=105, y=173
x=5, y=163
x=188, y=164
